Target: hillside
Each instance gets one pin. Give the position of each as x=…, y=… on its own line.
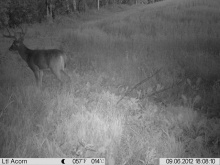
x=144, y=85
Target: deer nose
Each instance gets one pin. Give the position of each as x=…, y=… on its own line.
x=10, y=48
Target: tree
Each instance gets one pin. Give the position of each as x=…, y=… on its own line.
x=50, y=10
x=3, y=13
x=98, y=4
x=82, y=6
x=74, y=5
x=71, y=7
x=22, y=11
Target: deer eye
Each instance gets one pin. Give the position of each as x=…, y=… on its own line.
x=16, y=43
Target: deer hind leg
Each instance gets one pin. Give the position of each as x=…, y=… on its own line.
x=38, y=74
x=62, y=67
x=56, y=66
x=41, y=73
x=65, y=73
x=56, y=72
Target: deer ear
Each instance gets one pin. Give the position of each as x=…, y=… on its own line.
x=21, y=39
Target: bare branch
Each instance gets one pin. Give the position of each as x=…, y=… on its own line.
x=134, y=87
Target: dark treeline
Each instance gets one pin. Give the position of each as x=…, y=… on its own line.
x=15, y=12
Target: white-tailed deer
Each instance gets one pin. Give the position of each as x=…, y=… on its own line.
x=39, y=60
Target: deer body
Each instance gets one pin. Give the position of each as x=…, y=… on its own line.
x=39, y=60
x=43, y=59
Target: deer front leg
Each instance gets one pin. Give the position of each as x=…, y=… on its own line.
x=41, y=73
x=38, y=75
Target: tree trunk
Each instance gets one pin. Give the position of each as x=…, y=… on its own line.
x=49, y=11
x=106, y=2
x=82, y=5
x=98, y=4
x=67, y=7
x=74, y=5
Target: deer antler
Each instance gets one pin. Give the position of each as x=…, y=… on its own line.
x=23, y=32
x=16, y=35
x=9, y=34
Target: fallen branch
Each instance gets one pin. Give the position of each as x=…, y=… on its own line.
x=165, y=89
x=144, y=80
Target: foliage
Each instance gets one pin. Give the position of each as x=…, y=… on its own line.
x=22, y=11
x=3, y=10
x=14, y=13
x=84, y=119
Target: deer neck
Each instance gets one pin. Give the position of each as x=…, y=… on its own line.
x=23, y=51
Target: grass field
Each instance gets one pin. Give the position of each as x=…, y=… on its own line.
x=174, y=113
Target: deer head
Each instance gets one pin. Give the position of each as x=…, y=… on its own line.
x=18, y=39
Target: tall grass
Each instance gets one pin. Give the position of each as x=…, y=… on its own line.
x=183, y=31
x=85, y=119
